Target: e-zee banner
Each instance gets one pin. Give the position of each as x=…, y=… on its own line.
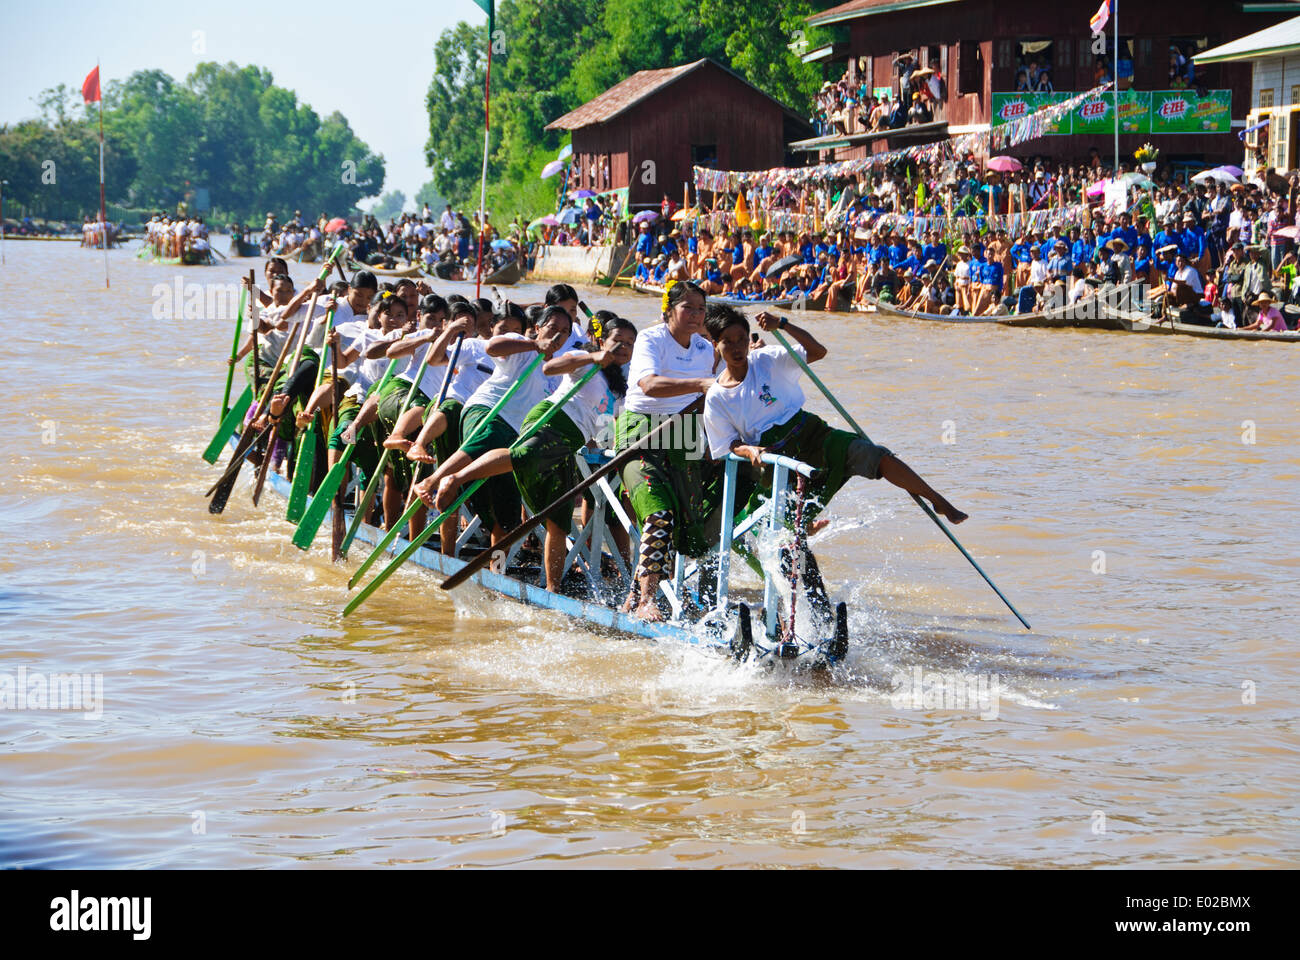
x=1013, y=106
x=1183, y=111
x=1095, y=115
x=1134, y=111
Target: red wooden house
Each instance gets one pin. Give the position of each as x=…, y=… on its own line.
x=646, y=132
x=980, y=48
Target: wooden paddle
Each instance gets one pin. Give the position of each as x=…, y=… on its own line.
x=306, y=458
x=297, y=356
x=234, y=348
x=314, y=515
x=372, y=486
x=479, y=429
x=442, y=395
x=923, y=505
x=519, y=532
x=220, y=491
x=337, y=528
x=427, y=532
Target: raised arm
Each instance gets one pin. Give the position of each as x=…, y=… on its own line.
x=768, y=321
x=509, y=346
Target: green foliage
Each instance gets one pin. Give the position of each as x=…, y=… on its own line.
x=389, y=205
x=429, y=194
x=226, y=128
x=558, y=54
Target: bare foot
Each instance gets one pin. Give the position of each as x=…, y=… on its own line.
x=951, y=513
x=649, y=611
x=304, y=419
x=424, y=490
x=447, y=490
x=419, y=454
x=397, y=443
x=629, y=604
x=820, y=524
x=278, y=403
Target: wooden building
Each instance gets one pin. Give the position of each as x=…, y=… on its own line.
x=646, y=132
x=1272, y=134
x=980, y=47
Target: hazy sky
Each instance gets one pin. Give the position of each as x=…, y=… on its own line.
x=372, y=63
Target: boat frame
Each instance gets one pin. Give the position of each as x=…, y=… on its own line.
x=724, y=628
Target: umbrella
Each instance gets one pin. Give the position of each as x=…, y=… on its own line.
x=646, y=215
x=1235, y=171
x=1005, y=164
x=552, y=168
x=335, y=225
x=569, y=215
x=1287, y=232
x=1222, y=176
x=782, y=265
x=566, y=151
x=550, y=220
x=684, y=214
x=502, y=245
x=581, y=194
x=1135, y=179
x=1097, y=189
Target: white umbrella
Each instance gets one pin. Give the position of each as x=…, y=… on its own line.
x=1222, y=176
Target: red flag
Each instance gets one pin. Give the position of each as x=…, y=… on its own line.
x=90, y=88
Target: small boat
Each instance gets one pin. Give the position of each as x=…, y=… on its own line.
x=784, y=303
x=1086, y=313
x=727, y=630
x=443, y=269
x=1135, y=321
x=239, y=247
x=410, y=270
x=508, y=274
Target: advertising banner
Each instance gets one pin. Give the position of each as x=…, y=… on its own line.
x=1182, y=111
x=1140, y=111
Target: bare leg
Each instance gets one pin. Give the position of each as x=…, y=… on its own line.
x=901, y=475
x=553, y=554
x=394, y=503
x=405, y=424
x=433, y=428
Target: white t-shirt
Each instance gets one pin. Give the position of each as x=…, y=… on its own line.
x=431, y=381
x=1191, y=277
x=508, y=369
x=1038, y=271
x=358, y=335
x=342, y=314
x=769, y=394
x=473, y=367
x=657, y=353
x=592, y=407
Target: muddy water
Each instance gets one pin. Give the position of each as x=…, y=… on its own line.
x=1115, y=495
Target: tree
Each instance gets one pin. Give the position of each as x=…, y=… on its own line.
x=455, y=105
x=429, y=194
x=389, y=205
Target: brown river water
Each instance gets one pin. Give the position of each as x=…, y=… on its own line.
x=1148, y=719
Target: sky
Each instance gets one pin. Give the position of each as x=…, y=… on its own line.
x=374, y=70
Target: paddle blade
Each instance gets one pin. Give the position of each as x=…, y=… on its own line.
x=302, y=474
x=314, y=515
x=229, y=425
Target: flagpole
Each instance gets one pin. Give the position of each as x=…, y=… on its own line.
x=103, y=214
x=482, y=194
x=1115, y=173
x=2, y=220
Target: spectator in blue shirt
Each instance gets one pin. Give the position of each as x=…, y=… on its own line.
x=645, y=243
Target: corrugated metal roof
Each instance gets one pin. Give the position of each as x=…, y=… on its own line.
x=1277, y=39
x=866, y=8
x=628, y=93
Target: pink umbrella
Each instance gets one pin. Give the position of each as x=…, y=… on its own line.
x=1097, y=189
x=550, y=220
x=1287, y=232
x=335, y=225
x=1005, y=164
x=552, y=168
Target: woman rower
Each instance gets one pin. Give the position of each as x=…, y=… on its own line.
x=672, y=367
x=756, y=407
x=543, y=465
x=513, y=353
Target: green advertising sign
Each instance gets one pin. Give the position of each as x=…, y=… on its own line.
x=1182, y=111
x=1140, y=111
x=1013, y=106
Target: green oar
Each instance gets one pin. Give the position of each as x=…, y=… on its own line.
x=228, y=426
x=372, y=486
x=924, y=506
x=314, y=515
x=465, y=494
x=417, y=503
x=302, y=469
x=234, y=351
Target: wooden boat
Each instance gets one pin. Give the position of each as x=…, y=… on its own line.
x=1138, y=322
x=1087, y=313
x=510, y=273
x=654, y=289
x=727, y=630
x=410, y=270
x=239, y=247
